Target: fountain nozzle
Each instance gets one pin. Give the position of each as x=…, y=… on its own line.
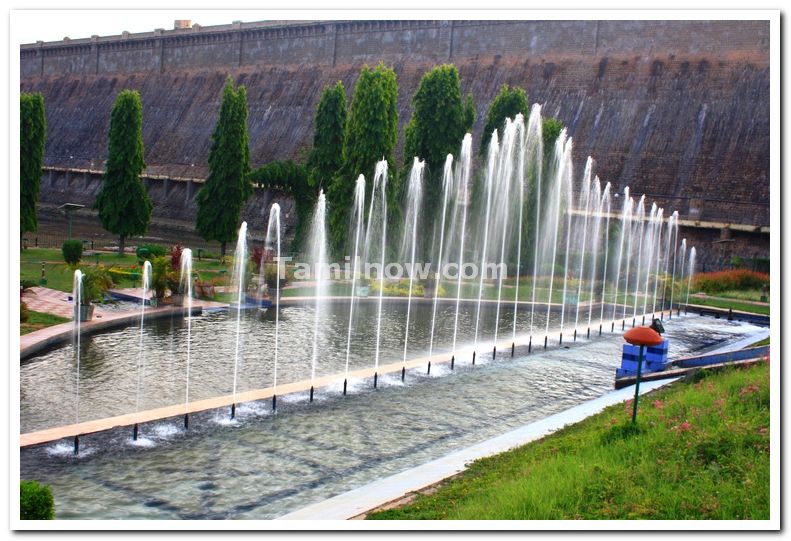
x=530, y=345
x=311, y=393
x=560, y=341
x=403, y=373
x=513, y=345
x=233, y=411
x=452, y=362
x=575, y=335
x=473, y=357
x=135, y=431
x=186, y=421
x=274, y=402
x=376, y=378
x=429, y=368
x=76, y=445
x=545, y=342
x=345, y=381
x=494, y=352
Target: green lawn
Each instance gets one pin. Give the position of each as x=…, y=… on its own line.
x=744, y=295
x=59, y=275
x=735, y=304
x=701, y=451
x=39, y=320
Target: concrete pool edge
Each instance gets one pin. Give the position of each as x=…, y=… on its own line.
x=358, y=501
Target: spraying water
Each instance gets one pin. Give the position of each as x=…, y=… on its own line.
x=605, y=198
x=466, y=167
x=641, y=222
x=562, y=156
x=529, y=144
x=513, y=132
x=692, y=255
x=359, y=216
x=414, y=200
x=141, y=358
x=493, y=150
x=185, y=283
x=380, y=188
x=447, y=186
x=240, y=262
x=683, y=267
x=77, y=297
x=319, y=258
x=274, y=226
x=675, y=256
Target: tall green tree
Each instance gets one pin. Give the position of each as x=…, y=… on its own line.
x=371, y=135
x=32, y=134
x=123, y=204
x=326, y=157
x=227, y=187
x=508, y=102
x=439, y=121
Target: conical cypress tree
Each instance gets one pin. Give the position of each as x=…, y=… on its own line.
x=32, y=134
x=227, y=187
x=123, y=204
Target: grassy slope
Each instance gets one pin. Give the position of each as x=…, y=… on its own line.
x=702, y=451
x=735, y=304
x=39, y=320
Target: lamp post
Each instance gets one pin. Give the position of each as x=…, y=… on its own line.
x=642, y=337
x=69, y=209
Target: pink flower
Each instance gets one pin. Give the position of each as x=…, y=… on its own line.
x=658, y=404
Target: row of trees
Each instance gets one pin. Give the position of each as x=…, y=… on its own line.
x=346, y=143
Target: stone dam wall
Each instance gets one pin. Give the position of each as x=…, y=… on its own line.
x=678, y=110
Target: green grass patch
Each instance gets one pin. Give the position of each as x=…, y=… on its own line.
x=743, y=295
x=735, y=304
x=764, y=342
x=700, y=451
x=40, y=320
x=59, y=275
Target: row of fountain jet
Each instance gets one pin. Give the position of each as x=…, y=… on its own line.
x=558, y=236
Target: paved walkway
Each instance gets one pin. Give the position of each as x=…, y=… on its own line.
x=52, y=301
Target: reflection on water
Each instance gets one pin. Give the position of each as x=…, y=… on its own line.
x=264, y=465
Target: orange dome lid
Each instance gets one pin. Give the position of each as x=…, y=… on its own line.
x=642, y=336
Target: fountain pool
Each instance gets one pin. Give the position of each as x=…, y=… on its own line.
x=263, y=465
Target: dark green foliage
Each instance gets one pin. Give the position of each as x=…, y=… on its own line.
x=72, y=251
x=508, y=102
x=550, y=130
x=438, y=124
x=123, y=204
x=439, y=119
x=327, y=154
x=148, y=251
x=292, y=178
x=35, y=501
x=470, y=114
x=371, y=135
x=226, y=189
x=32, y=134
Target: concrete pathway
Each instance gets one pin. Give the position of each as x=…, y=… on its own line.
x=52, y=301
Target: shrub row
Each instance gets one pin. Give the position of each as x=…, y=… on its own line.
x=736, y=279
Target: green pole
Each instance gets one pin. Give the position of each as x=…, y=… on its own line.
x=637, y=385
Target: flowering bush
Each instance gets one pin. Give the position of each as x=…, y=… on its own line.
x=717, y=282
